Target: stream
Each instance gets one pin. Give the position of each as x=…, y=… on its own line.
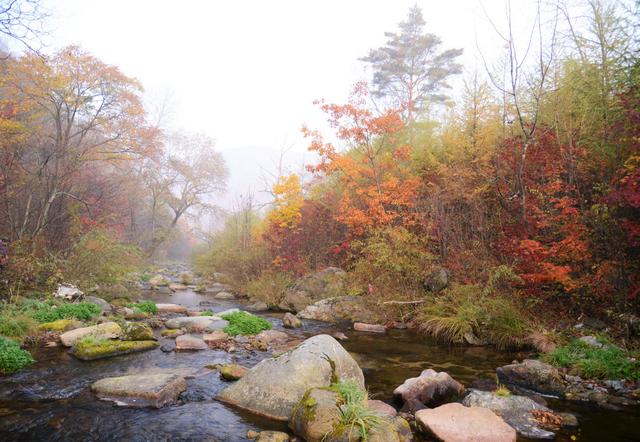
x=51, y=401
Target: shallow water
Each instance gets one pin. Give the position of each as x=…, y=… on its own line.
x=51, y=400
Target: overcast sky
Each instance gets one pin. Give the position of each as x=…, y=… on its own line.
x=247, y=72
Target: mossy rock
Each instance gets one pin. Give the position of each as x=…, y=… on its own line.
x=171, y=332
x=61, y=325
x=232, y=372
x=88, y=350
x=137, y=331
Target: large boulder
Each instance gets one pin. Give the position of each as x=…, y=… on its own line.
x=533, y=375
x=318, y=418
x=146, y=390
x=430, y=389
x=104, y=305
x=274, y=386
x=437, y=280
x=106, y=330
x=328, y=283
x=340, y=308
x=517, y=411
x=456, y=423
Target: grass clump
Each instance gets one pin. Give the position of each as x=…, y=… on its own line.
x=83, y=311
x=465, y=310
x=144, y=307
x=243, y=323
x=356, y=418
x=206, y=313
x=591, y=362
x=12, y=357
x=269, y=287
x=502, y=391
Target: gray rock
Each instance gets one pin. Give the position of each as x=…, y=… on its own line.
x=437, y=280
x=291, y=321
x=341, y=308
x=533, y=375
x=257, y=306
x=224, y=295
x=274, y=386
x=106, y=330
x=309, y=289
x=227, y=311
x=430, y=389
x=69, y=292
x=192, y=323
x=145, y=390
x=591, y=341
x=190, y=342
x=104, y=305
x=220, y=324
x=515, y=410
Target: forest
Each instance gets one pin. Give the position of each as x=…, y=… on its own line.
x=493, y=206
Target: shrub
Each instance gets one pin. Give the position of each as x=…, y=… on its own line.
x=14, y=323
x=269, y=287
x=82, y=311
x=243, y=323
x=144, y=307
x=98, y=258
x=606, y=362
x=393, y=261
x=12, y=357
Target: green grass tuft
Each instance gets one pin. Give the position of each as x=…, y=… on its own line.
x=144, y=307
x=12, y=357
x=243, y=323
x=356, y=418
x=606, y=362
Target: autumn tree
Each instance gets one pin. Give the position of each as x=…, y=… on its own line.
x=411, y=70
x=76, y=111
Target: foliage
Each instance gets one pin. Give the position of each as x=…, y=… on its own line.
x=144, y=307
x=593, y=362
x=269, y=287
x=12, y=357
x=98, y=258
x=472, y=310
x=83, y=311
x=391, y=262
x=243, y=323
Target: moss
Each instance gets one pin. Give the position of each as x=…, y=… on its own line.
x=12, y=357
x=243, y=323
x=308, y=405
x=137, y=331
x=90, y=348
x=61, y=325
x=170, y=332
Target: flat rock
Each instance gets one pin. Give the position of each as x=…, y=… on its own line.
x=106, y=330
x=431, y=388
x=171, y=308
x=108, y=348
x=456, y=423
x=372, y=328
x=145, y=390
x=515, y=410
x=192, y=323
x=224, y=295
x=272, y=336
x=274, y=386
x=190, y=342
x=216, y=339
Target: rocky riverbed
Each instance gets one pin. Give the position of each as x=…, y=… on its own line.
x=62, y=397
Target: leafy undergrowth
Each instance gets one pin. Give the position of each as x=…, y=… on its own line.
x=587, y=361
x=243, y=323
x=144, y=307
x=269, y=287
x=12, y=357
x=20, y=319
x=356, y=418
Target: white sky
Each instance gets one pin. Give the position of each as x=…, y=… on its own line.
x=247, y=72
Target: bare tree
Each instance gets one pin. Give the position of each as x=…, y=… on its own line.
x=23, y=21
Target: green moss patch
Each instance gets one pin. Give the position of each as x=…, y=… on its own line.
x=61, y=325
x=12, y=357
x=243, y=323
x=592, y=362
